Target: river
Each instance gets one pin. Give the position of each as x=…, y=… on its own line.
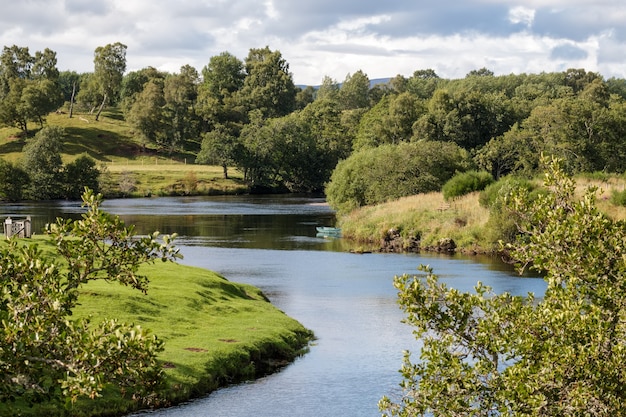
x=347, y=299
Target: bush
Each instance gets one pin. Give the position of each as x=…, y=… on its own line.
x=619, y=198
x=465, y=183
x=13, y=181
x=388, y=172
x=494, y=191
x=501, y=224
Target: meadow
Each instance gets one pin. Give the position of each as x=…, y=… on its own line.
x=124, y=159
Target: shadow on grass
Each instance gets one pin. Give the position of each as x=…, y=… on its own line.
x=13, y=145
x=99, y=144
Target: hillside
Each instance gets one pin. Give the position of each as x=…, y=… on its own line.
x=122, y=157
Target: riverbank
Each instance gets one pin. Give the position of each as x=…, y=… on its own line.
x=428, y=223
x=424, y=222
x=216, y=333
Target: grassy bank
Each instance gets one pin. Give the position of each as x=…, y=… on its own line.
x=215, y=331
x=424, y=216
x=429, y=218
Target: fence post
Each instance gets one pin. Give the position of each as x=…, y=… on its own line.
x=8, y=227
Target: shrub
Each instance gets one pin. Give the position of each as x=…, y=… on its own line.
x=465, y=183
x=619, y=198
x=492, y=193
x=389, y=172
x=501, y=224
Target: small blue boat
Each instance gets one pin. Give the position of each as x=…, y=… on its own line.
x=328, y=231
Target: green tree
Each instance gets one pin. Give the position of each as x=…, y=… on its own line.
x=29, y=88
x=181, y=92
x=219, y=147
x=329, y=89
x=109, y=67
x=268, y=85
x=13, y=181
x=354, y=91
x=218, y=103
x=47, y=355
x=147, y=113
x=42, y=161
x=488, y=354
x=387, y=172
x=133, y=84
x=80, y=173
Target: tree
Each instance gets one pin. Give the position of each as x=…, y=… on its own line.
x=48, y=356
x=387, y=172
x=220, y=147
x=354, y=92
x=268, y=85
x=13, y=181
x=147, y=113
x=42, y=161
x=109, y=67
x=80, y=173
x=29, y=88
x=329, y=89
x=217, y=103
x=181, y=92
x=223, y=76
x=488, y=354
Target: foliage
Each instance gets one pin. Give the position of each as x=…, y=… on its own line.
x=28, y=86
x=42, y=161
x=354, y=91
x=109, y=67
x=47, y=356
x=375, y=175
x=13, y=181
x=488, y=354
x=268, y=86
x=80, y=173
x=618, y=197
x=219, y=147
x=494, y=195
x=146, y=114
x=465, y=183
x=502, y=224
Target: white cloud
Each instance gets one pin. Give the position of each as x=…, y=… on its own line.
x=326, y=37
x=521, y=14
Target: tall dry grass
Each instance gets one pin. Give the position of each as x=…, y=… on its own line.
x=426, y=216
x=465, y=221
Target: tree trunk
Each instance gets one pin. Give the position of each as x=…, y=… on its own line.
x=72, y=99
x=104, y=99
x=225, y=171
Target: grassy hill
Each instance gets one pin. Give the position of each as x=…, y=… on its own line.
x=121, y=156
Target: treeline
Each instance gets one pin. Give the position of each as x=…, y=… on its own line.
x=406, y=136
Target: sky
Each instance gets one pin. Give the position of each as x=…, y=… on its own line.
x=331, y=38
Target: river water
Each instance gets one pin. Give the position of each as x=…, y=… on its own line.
x=347, y=299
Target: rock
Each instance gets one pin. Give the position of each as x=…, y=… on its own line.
x=446, y=245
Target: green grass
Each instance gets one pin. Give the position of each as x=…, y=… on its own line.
x=112, y=143
x=215, y=331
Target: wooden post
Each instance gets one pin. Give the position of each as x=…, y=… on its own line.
x=8, y=227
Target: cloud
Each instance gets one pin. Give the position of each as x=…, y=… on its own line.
x=523, y=15
x=330, y=37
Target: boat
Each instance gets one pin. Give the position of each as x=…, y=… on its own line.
x=328, y=231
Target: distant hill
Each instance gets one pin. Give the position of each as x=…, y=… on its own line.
x=372, y=83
